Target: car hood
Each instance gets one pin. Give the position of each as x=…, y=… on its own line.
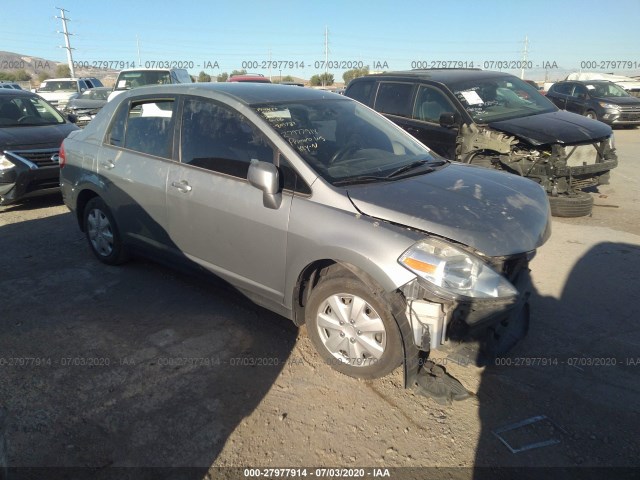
x=633, y=101
x=79, y=103
x=554, y=127
x=43, y=136
x=493, y=212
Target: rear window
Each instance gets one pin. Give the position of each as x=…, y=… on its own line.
x=360, y=91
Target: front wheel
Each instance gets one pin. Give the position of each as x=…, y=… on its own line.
x=353, y=329
x=591, y=114
x=102, y=233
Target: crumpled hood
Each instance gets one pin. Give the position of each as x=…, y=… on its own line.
x=31, y=137
x=554, y=127
x=493, y=212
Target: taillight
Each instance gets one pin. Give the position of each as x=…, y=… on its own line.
x=62, y=159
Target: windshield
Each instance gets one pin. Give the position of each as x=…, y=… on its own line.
x=59, y=86
x=501, y=98
x=95, y=94
x=27, y=111
x=129, y=80
x=605, y=89
x=344, y=141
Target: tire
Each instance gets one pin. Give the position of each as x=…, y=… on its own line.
x=338, y=333
x=102, y=233
x=577, y=204
x=591, y=114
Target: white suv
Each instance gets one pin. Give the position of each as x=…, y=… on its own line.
x=140, y=77
x=58, y=91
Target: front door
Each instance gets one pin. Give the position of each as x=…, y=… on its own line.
x=216, y=217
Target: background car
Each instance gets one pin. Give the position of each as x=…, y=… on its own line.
x=316, y=208
x=597, y=99
x=249, y=77
x=31, y=132
x=10, y=85
x=58, y=91
x=496, y=120
x=141, y=77
x=88, y=104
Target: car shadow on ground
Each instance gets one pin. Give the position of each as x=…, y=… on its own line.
x=33, y=203
x=574, y=377
x=117, y=369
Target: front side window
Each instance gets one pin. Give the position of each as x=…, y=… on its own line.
x=430, y=104
x=217, y=138
x=500, y=98
x=145, y=126
x=394, y=98
x=344, y=141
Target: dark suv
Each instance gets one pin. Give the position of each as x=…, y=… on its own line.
x=599, y=99
x=494, y=119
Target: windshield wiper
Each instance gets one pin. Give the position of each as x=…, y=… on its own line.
x=414, y=165
x=359, y=179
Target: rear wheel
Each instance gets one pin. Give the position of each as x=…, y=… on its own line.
x=102, y=233
x=576, y=204
x=353, y=329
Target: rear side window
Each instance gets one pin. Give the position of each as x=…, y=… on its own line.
x=217, y=138
x=360, y=91
x=144, y=126
x=394, y=98
x=563, y=88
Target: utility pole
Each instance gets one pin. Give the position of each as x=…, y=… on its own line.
x=138, y=46
x=524, y=56
x=326, y=54
x=66, y=34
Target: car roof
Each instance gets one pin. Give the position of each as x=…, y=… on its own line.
x=15, y=92
x=443, y=75
x=248, y=93
x=590, y=82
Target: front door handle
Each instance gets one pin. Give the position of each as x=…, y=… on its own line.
x=182, y=185
x=108, y=164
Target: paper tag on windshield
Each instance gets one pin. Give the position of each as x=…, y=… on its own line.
x=472, y=97
x=122, y=83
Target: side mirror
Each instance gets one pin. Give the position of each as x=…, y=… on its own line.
x=449, y=119
x=265, y=176
x=72, y=117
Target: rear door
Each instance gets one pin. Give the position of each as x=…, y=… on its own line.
x=215, y=217
x=133, y=165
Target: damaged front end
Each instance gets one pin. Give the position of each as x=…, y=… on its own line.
x=470, y=329
x=559, y=168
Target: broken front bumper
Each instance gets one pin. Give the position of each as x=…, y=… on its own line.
x=435, y=321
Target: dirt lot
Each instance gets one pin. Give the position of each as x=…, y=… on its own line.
x=141, y=366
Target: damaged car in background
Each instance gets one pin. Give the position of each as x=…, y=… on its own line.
x=496, y=120
x=317, y=208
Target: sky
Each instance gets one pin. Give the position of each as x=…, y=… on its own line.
x=288, y=37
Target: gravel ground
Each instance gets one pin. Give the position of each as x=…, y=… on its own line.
x=142, y=366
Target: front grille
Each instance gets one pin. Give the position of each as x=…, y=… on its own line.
x=41, y=157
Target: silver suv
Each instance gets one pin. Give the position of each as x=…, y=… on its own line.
x=317, y=208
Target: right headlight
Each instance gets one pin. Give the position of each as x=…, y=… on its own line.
x=5, y=164
x=453, y=273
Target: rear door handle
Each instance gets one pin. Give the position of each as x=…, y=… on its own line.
x=182, y=185
x=108, y=165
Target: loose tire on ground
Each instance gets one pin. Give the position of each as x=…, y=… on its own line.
x=102, y=233
x=578, y=204
x=367, y=344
